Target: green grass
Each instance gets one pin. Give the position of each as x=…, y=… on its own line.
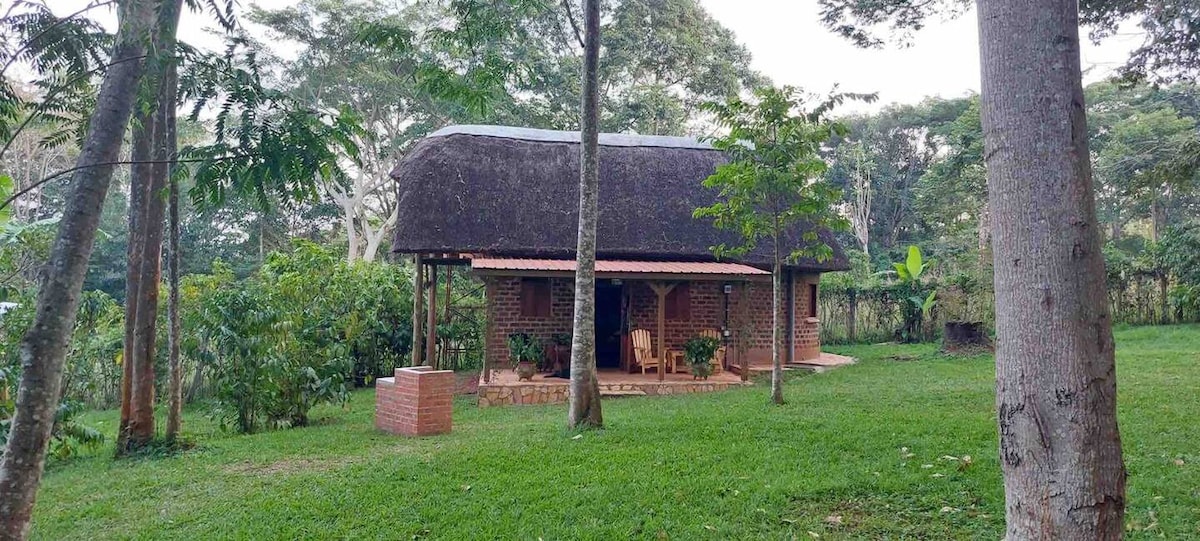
x=717, y=466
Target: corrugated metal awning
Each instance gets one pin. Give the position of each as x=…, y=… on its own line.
x=617, y=268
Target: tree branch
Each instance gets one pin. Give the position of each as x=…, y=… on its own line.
x=46, y=179
x=16, y=54
x=574, y=26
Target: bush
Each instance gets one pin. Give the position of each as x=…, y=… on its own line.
x=298, y=333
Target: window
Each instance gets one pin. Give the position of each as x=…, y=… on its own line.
x=679, y=303
x=535, y=297
x=812, y=300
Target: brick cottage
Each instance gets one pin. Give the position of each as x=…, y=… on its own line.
x=504, y=201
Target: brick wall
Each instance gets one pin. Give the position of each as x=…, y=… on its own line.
x=504, y=316
x=707, y=312
x=708, y=309
x=416, y=402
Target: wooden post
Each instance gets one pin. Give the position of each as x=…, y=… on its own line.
x=418, y=308
x=489, y=317
x=449, y=292
x=661, y=290
x=852, y=315
x=743, y=307
x=431, y=334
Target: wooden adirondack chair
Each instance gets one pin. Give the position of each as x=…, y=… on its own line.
x=643, y=351
x=718, y=360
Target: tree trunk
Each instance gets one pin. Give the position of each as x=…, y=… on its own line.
x=1060, y=449
x=777, y=326
x=151, y=139
x=44, y=346
x=174, y=330
x=351, y=234
x=585, y=389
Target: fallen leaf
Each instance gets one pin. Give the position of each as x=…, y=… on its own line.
x=947, y=457
x=577, y=436
x=709, y=528
x=926, y=466
x=1179, y=462
x=466, y=488
x=814, y=535
x=936, y=475
x=834, y=519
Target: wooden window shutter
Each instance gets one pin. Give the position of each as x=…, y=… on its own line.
x=535, y=297
x=679, y=302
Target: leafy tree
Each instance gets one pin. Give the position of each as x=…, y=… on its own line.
x=45, y=344
x=584, y=411
x=772, y=186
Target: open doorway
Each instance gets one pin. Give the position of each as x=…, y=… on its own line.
x=608, y=324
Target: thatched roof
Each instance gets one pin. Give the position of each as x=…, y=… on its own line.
x=514, y=192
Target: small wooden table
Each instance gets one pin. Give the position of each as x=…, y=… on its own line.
x=675, y=357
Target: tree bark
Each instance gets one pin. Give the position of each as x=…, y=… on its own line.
x=148, y=181
x=169, y=146
x=1060, y=448
x=585, y=389
x=44, y=346
x=777, y=324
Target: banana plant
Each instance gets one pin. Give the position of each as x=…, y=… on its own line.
x=913, y=267
x=919, y=305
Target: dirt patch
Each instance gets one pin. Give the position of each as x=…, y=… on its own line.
x=289, y=466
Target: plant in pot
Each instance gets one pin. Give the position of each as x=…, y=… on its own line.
x=525, y=352
x=698, y=352
x=560, y=354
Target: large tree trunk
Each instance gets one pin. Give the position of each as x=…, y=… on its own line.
x=777, y=325
x=585, y=389
x=44, y=346
x=1060, y=449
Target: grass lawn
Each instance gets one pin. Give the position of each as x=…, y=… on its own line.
x=860, y=452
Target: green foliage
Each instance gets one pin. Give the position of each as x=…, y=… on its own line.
x=913, y=266
x=296, y=334
x=918, y=303
x=524, y=347
x=773, y=181
x=699, y=350
x=265, y=144
x=68, y=436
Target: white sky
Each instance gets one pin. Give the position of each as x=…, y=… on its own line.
x=791, y=47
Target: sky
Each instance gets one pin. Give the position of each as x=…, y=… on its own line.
x=790, y=46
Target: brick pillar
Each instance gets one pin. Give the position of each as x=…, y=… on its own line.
x=416, y=402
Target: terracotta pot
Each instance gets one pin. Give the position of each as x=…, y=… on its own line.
x=525, y=371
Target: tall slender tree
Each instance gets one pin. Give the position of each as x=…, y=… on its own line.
x=148, y=181
x=585, y=389
x=44, y=347
x=771, y=187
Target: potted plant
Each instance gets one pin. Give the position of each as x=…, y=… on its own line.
x=698, y=352
x=560, y=352
x=525, y=352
